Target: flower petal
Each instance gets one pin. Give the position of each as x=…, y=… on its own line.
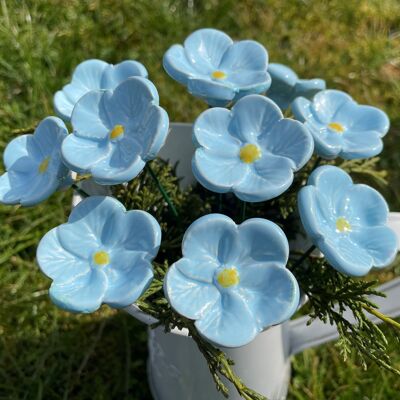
x=216, y=172
x=89, y=118
x=245, y=80
x=268, y=178
x=361, y=144
x=328, y=145
x=327, y=103
x=228, y=323
x=290, y=139
x=244, y=56
x=380, y=242
x=128, y=278
x=210, y=237
x=282, y=85
x=252, y=115
x=272, y=293
x=113, y=75
x=177, y=65
x=80, y=154
x=202, y=270
x=216, y=94
x=346, y=256
x=262, y=241
x=22, y=154
x=12, y=187
x=188, y=297
x=205, y=48
x=57, y=263
x=362, y=205
x=84, y=294
x=49, y=135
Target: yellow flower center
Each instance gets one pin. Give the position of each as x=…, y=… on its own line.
x=228, y=277
x=44, y=165
x=338, y=128
x=250, y=153
x=218, y=75
x=342, y=225
x=101, y=258
x=117, y=131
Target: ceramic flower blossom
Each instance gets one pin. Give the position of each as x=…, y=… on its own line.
x=101, y=255
x=251, y=150
x=116, y=132
x=341, y=127
x=347, y=222
x=216, y=69
x=94, y=75
x=232, y=279
x=34, y=169
x=286, y=86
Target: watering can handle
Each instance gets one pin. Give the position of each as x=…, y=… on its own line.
x=303, y=336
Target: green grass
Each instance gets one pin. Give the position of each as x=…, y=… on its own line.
x=49, y=354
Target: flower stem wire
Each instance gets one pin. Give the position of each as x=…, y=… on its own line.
x=303, y=257
x=162, y=190
x=79, y=190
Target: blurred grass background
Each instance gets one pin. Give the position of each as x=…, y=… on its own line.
x=49, y=354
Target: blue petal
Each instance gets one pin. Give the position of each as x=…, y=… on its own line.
x=205, y=48
x=113, y=75
x=13, y=186
x=84, y=294
x=272, y=293
x=218, y=172
x=211, y=132
x=267, y=178
x=363, y=118
x=57, y=263
x=301, y=109
x=228, y=323
x=246, y=80
x=87, y=76
x=80, y=154
x=309, y=87
x=128, y=278
x=49, y=135
x=362, y=205
x=216, y=94
x=251, y=115
x=189, y=297
x=213, y=237
x=346, y=256
x=202, y=270
x=22, y=154
x=328, y=102
x=134, y=230
x=380, y=242
x=245, y=56
x=290, y=139
x=282, y=86
x=177, y=65
x=262, y=241
x=361, y=144
x=89, y=118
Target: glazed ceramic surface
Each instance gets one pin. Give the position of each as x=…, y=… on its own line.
x=232, y=279
x=250, y=150
x=116, y=132
x=340, y=126
x=347, y=222
x=34, y=170
x=101, y=255
x=94, y=75
x=216, y=69
x=286, y=86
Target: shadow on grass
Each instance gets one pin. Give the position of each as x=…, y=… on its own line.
x=100, y=359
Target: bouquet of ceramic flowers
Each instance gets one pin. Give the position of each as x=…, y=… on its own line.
x=236, y=274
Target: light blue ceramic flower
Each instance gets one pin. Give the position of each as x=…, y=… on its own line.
x=33, y=164
x=94, y=75
x=216, y=69
x=347, y=222
x=232, y=279
x=251, y=150
x=340, y=126
x=286, y=85
x=101, y=255
x=116, y=132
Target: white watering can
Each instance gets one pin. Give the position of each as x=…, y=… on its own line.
x=176, y=368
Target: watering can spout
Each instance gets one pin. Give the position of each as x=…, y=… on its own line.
x=303, y=336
